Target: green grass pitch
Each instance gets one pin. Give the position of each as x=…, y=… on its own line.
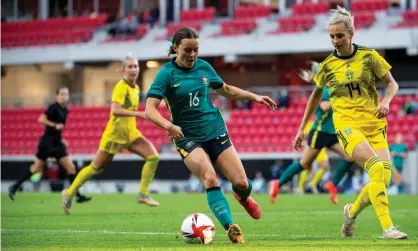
x=117, y=222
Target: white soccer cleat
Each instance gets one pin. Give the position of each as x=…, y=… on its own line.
x=66, y=201
x=393, y=233
x=146, y=199
x=348, y=227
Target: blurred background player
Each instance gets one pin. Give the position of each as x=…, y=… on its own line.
x=197, y=127
x=322, y=135
x=359, y=117
x=121, y=133
x=398, y=152
x=51, y=143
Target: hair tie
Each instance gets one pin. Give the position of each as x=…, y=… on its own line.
x=169, y=40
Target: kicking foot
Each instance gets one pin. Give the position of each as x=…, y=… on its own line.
x=393, y=233
x=146, y=199
x=332, y=192
x=82, y=199
x=250, y=206
x=235, y=234
x=274, y=190
x=12, y=192
x=348, y=227
x=66, y=201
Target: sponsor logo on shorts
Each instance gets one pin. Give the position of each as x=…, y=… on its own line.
x=189, y=144
x=223, y=142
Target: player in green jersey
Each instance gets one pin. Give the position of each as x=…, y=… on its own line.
x=197, y=127
x=322, y=135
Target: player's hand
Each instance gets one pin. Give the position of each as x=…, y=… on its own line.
x=59, y=127
x=175, y=132
x=298, y=140
x=382, y=110
x=265, y=100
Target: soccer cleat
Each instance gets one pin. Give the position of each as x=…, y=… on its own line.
x=393, y=233
x=66, y=201
x=274, y=190
x=82, y=199
x=348, y=227
x=12, y=192
x=235, y=234
x=250, y=206
x=146, y=199
x=314, y=189
x=332, y=191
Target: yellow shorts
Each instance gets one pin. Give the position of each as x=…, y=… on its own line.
x=116, y=146
x=322, y=156
x=350, y=136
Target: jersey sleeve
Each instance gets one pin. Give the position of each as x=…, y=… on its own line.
x=379, y=65
x=320, y=77
x=118, y=95
x=215, y=81
x=405, y=148
x=159, y=86
x=50, y=111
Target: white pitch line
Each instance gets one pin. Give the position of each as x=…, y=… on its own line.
x=165, y=233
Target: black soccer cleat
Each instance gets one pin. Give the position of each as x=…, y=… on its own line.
x=82, y=199
x=12, y=192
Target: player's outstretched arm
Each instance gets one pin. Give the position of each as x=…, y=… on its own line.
x=313, y=102
x=118, y=110
x=382, y=109
x=152, y=113
x=235, y=93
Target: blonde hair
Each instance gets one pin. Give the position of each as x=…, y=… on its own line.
x=128, y=57
x=341, y=15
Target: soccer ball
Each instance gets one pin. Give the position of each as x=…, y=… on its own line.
x=198, y=229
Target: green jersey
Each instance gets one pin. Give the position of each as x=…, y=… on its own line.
x=398, y=159
x=323, y=121
x=186, y=93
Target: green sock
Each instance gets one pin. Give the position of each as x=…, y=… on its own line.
x=243, y=194
x=291, y=171
x=219, y=206
x=342, y=169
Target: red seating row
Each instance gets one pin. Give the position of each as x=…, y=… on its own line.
x=369, y=6
x=172, y=27
x=54, y=24
x=44, y=37
x=140, y=31
x=237, y=27
x=364, y=20
x=295, y=24
x=194, y=15
x=253, y=11
x=310, y=8
x=410, y=19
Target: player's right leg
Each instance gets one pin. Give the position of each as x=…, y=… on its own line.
x=37, y=167
x=100, y=161
x=309, y=155
x=199, y=164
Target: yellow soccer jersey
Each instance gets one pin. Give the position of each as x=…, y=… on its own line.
x=353, y=85
x=122, y=130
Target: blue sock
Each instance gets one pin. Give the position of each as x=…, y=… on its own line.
x=243, y=194
x=219, y=206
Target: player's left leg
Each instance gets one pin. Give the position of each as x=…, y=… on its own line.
x=228, y=161
x=303, y=177
x=144, y=148
x=323, y=163
x=69, y=166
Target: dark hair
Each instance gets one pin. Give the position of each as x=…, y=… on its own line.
x=60, y=88
x=182, y=33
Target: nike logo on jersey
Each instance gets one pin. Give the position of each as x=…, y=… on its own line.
x=222, y=135
x=177, y=84
x=223, y=142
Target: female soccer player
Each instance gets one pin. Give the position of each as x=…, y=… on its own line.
x=197, y=127
x=52, y=144
x=359, y=117
x=322, y=135
x=121, y=133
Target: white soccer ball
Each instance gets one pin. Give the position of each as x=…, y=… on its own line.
x=198, y=229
